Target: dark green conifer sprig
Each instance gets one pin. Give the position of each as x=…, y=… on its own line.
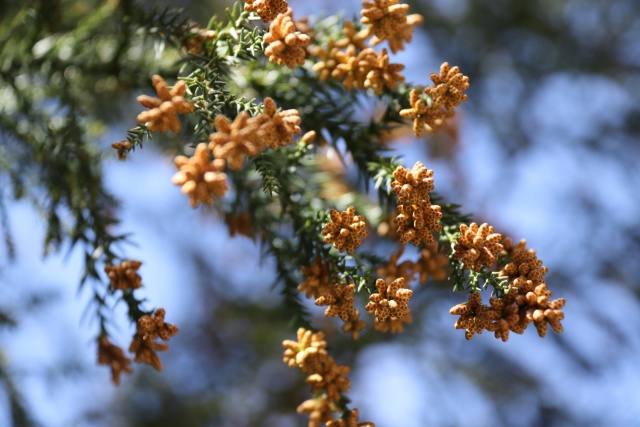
x=209, y=73
x=290, y=179
x=60, y=82
x=239, y=40
x=64, y=153
x=168, y=24
x=382, y=177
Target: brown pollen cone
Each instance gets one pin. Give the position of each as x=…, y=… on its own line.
x=391, y=301
x=477, y=246
x=162, y=113
x=346, y=230
x=286, y=45
x=267, y=10
x=144, y=344
x=417, y=218
x=199, y=177
x=235, y=140
x=125, y=275
x=112, y=355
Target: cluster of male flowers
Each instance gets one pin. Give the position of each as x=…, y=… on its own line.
x=326, y=378
x=346, y=58
x=150, y=326
x=524, y=300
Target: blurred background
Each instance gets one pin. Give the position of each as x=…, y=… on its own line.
x=547, y=148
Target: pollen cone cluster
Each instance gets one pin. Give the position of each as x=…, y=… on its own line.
x=417, y=218
x=266, y=9
x=477, y=246
x=112, y=355
x=346, y=230
x=316, y=281
x=353, y=36
x=389, y=21
x=431, y=263
x=195, y=38
x=235, y=140
x=381, y=73
x=286, y=45
x=320, y=410
x=525, y=269
x=278, y=127
x=394, y=268
x=512, y=313
x=200, y=178
x=122, y=148
x=526, y=274
x=354, y=325
x=390, y=305
x=144, y=344
x=330, y=55
x=307, y=353
x=383, y=15
x=340, y=301
x=360, y=69
x=325, y=377
x=125, y=275
x=351, y=67
x=326, y=59
x=449, y=88
x=163, y=111
x=431, y=110
x=248, y=136
x=527, y=301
